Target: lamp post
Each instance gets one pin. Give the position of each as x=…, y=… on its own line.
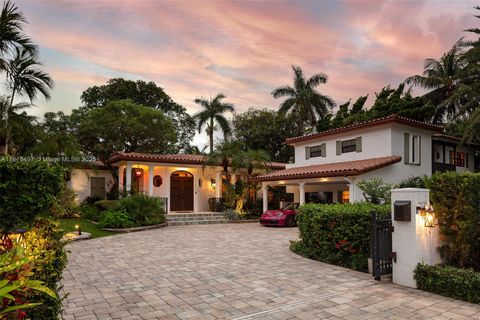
x=79, y=229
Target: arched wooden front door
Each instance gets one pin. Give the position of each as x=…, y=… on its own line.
x=181, y=191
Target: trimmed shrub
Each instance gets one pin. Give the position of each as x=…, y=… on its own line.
x=108, y=205
x=27, y=189
x=143, y=210
x=449, y=281
x=91, y=212
x=456, y=200
x=116, y=219
x=65, y=205
x=413, y=182
x=337, y=233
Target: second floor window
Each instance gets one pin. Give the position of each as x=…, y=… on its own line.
x=316, y=151
x=349, y=145
x=412, y=149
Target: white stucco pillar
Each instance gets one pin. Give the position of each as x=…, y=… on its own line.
x=128, y=182
x=301, y=186
x=121, y=186
x=412, y=241
x=218, y=182
x=234, y=178
x=351, y=188
x=151, y=168
x=265, y=196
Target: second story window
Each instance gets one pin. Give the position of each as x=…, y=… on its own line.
x=412, y=149
x=349, y=146
x=316, y=151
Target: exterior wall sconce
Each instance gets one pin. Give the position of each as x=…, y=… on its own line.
x=213, y=183
x=428, y=215
x=138, y=172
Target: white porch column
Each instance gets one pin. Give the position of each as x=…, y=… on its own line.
x=265, y=196
x=218, y=182
x=121, y=186
x=234, y=178
x=301, y=186
x=128, y=172
x=150, y=179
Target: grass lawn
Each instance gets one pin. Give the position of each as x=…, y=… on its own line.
x=87, y=226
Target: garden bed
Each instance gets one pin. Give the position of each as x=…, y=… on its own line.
x=136, y=229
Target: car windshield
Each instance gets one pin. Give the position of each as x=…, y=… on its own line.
x=291, y=206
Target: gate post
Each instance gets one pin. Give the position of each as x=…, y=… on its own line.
x=412, y=242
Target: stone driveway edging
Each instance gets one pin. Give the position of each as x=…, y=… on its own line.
x=126, y=230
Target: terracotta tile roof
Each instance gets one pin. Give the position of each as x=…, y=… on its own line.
x=459, y=140
x=370, y=123
x=171, y=158
x=348, y=168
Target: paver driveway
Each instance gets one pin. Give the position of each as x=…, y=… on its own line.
x=235, y=271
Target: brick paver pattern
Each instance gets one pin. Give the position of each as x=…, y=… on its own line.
x=234, y=271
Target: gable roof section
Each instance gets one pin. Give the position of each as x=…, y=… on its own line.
x=197, y=159
x=370, y=123
x=347, y=168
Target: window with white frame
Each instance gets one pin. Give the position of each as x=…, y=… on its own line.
x=412, y=149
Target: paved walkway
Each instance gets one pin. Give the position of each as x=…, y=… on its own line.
x=234, y=271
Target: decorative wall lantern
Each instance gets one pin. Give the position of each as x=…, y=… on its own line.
x=428, y=215
x=213, y=183
x=138, y=172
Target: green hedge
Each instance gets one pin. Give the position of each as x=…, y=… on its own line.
x=337, y=233
x=27, y=189
x=462, y=284
x=456, y=200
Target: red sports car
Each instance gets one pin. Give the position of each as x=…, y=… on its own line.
x=282, y=217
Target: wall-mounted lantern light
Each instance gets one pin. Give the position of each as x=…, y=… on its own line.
x=138, y=172
x=428, y=215
x=213, y=183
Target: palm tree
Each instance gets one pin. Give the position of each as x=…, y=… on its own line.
x=11, y=33
x=228, y=154
x=442, y=77
x=213, y=112
x=303, y=100
x=19, y=123
x=24, y=77
x=251, y=160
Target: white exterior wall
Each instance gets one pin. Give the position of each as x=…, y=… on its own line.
x=80, y=181
x=376, y=142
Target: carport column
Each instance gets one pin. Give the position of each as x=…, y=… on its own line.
x=302, y=192
x=218, y=185
x=265, y=196
x=121, y=186
x=128, y=172
x=150, y=179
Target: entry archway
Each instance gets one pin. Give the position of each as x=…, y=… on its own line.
x=181, y=191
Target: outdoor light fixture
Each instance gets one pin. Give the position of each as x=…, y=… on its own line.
x=79, y=229
x=138, y=173
x=428, y=215
x=213, y=183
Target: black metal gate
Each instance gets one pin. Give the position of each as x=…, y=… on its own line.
x=381, y=246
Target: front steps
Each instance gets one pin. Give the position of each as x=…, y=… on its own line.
x=179, y=219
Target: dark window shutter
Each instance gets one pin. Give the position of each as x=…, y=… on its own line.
x=466, y=160
x=406, y=145
x=419, y=149
x=324, y=149
x=358, y=144
x=339, y=147
x=307, y=153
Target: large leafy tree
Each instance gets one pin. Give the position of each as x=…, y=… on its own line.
x=146, y=94
x=303, y=100
x=212, y=114
x=12, y=36
x=264, y=129
x=442, y=78
x=124, y=126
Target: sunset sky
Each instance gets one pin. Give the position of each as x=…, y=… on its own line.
x=243, y=49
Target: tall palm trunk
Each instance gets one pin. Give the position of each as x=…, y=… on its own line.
x=7, y=131
x=211, y=134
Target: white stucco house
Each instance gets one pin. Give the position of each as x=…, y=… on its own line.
x=329, y=164
x=327, y=167
x=182, y=180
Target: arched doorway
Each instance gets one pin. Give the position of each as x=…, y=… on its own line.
x=181, y=191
